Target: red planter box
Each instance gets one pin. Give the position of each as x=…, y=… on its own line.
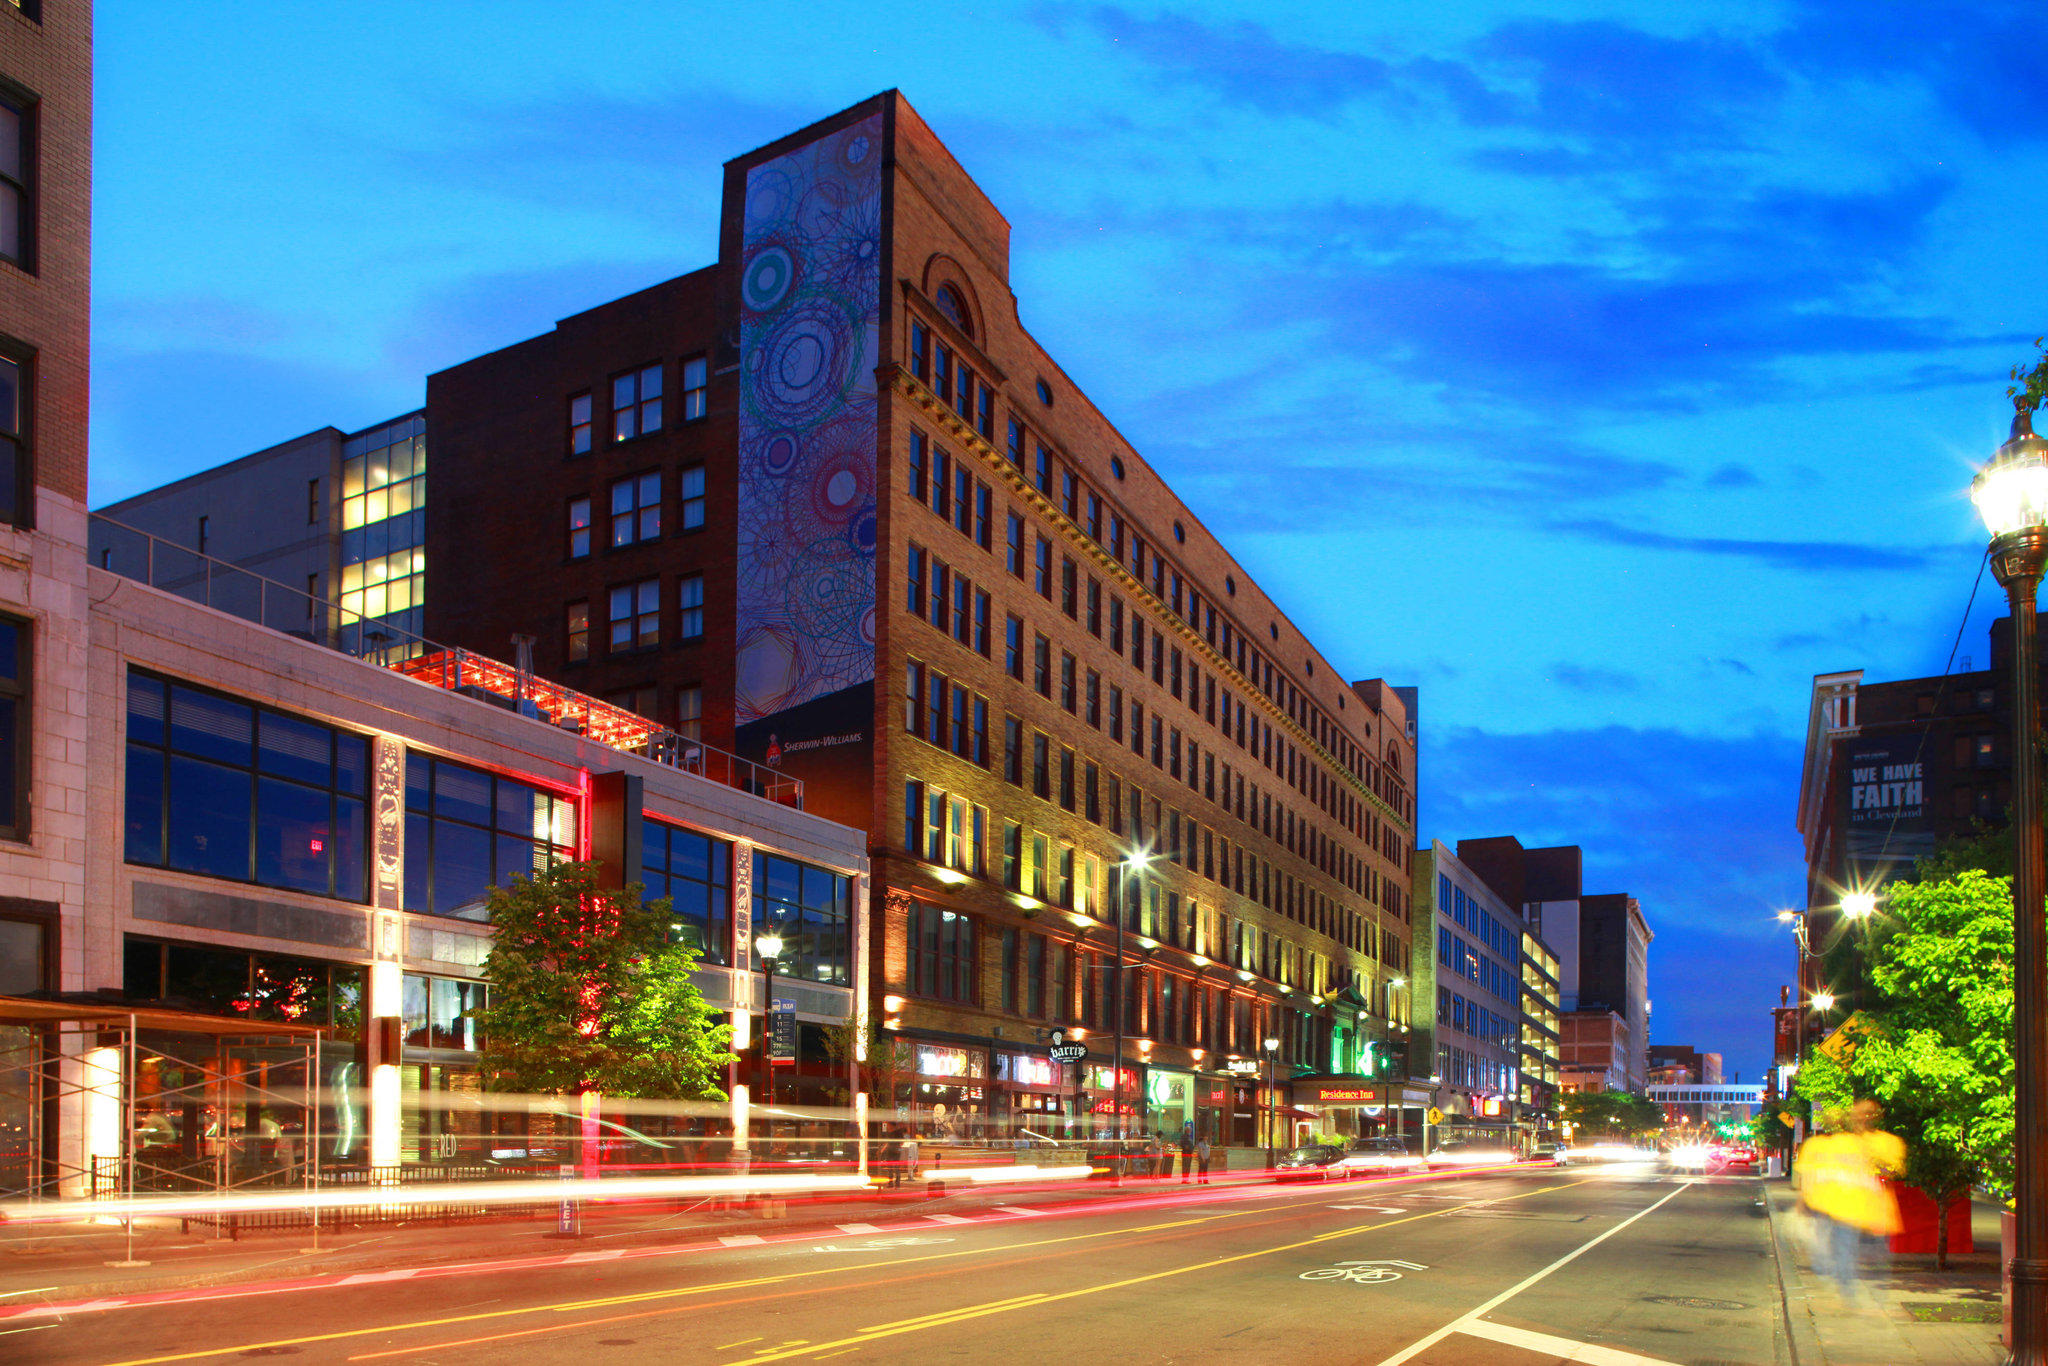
x=1917, y=1219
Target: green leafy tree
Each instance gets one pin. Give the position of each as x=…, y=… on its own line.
x=588, y=995
x=1612, y=1114
x=2031, y=381
x=1935, y=1047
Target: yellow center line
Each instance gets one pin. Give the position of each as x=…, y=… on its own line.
x=1034, y=1302
x=923, y=1319
x=572, y=1306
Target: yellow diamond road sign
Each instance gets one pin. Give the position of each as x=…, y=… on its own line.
x=1436, y=1116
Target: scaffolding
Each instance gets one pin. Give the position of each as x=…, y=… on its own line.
x=109, y=1101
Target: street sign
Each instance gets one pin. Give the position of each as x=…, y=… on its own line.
x=782, y=1033
x=1064, y=1052
x=1435, y=1116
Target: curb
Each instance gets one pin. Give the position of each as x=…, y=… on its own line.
x=1802, y=1344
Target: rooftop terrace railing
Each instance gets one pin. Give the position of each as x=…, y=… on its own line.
x=183, y=572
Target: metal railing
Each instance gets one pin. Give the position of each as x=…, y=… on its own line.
x=171, y=568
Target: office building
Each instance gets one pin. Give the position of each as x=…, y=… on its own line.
x=1542, y=1049
x=1602, y=945
x=356, y=560
x=1475, y=980
x=1892, y=769
x=826, y=503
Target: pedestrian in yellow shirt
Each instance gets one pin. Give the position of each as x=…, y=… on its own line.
x=1840, y=1176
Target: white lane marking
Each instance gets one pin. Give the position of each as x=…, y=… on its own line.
x=1376, y=1209
x=372, y=1277
x=858, y=1228
x=949, y=1218
x=1564, y=1349
x=1460, y=1324
x=1018, y=1209
x=742, y=1240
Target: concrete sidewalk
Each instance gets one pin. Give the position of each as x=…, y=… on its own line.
x=76, y=1260
x=1912, y=1314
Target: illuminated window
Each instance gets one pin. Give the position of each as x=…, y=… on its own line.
x=577, y=628
x=690, y=712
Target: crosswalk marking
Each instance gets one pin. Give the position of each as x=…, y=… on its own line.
x=742, y=1240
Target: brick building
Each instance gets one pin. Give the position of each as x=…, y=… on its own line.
x=828, y=504
x=45, y=265
x=1891, y=770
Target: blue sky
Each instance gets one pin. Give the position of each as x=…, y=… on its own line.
x=1647, y=354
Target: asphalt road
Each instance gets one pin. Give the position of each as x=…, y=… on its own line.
x=1522, y=1267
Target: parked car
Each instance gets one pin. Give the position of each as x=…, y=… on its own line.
x=1378, y=1156
x=1313, y=1162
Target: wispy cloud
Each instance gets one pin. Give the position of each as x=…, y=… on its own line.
x=1800, y=555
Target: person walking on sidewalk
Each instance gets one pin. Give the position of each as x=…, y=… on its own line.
x=1840, y=1178
x=1202, y=1157
x=1187, y=1153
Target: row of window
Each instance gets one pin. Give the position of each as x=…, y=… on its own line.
x=950, y=490
x=434, y=1012
x=946, y=598
x=1043, y=979
x=955, y=718
x=1461, y=1067
x=953, y=831
x=1482, y=1023
x=1493, y=932
x=636, y=510
x=1460, y=959
x=633, y=614
x=636, y=404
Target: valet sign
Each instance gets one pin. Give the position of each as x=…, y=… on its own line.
x=1064, y=1052
x=1242, y=1067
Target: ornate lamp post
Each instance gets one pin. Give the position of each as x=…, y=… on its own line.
x=1272, y=1100
x=768, y=947
x=2011, y=494
x=1137, y=861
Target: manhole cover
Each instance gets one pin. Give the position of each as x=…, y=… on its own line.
x=1947, y=1311
x=1695, y=1302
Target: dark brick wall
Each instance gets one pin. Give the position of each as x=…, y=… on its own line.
x=47, y=306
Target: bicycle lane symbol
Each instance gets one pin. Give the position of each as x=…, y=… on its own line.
x=1362, y=1273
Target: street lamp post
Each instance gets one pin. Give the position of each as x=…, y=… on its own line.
x=769, y=947
x=2011, y=494
x=1272, y=1048
x=1134, y=862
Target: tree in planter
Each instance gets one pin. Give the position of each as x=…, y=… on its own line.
x=587, y=996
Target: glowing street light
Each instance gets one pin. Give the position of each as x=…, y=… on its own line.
x=2011, y=494
x=768, y=947
x=1859, y=905
x=1824, y=1000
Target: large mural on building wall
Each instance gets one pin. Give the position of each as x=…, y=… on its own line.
x=810, y=293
